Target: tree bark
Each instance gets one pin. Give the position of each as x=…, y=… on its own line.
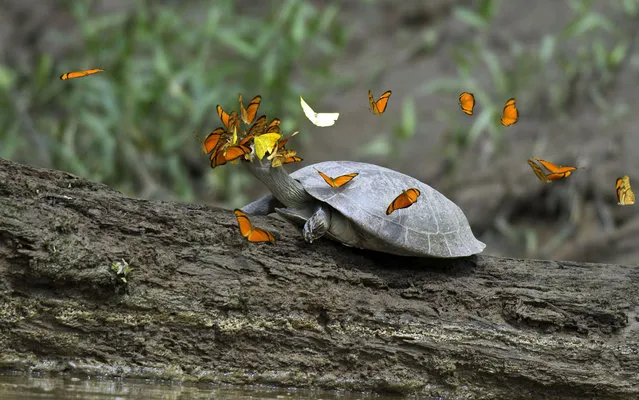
x=203, y=304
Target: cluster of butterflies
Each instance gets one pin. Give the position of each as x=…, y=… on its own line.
x=256, y=235
x=510, y=116
x=224, y=145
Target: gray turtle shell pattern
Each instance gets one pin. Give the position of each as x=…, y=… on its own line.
x=433, y=226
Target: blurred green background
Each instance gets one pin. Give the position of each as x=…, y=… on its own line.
x=571, y=65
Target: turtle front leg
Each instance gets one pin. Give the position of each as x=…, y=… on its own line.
x=262, y=206
x=317, y=225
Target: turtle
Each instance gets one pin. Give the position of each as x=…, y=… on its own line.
x=355, y=214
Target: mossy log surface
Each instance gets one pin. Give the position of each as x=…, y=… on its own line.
x=202, y=304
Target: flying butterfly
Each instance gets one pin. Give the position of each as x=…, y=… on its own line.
x=556, y=171
x=248, y=114
x=338, y=181
x=378, y=106
x=510, y=115
x=251, y=233
x=406, y=199
x=231, y=121
x=538, y=171
x=467, y=102
x=625, y=195
x=80, y=74
x=318, y=119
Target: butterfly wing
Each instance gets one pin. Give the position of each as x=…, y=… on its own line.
x=291, y=159
x=258, y=127
x=224, y=116
x=554, y=168
x=243, y=222
x=344, y=179
x=553, y=176
x=625, y=195
x=248, y=114
x=234, y=152
x=308, y=111
x=80, y=74
x=318, y=119
x=510, y=115
x=630, y=197
x=258, y=235
x=230, y=121
x=273, y=127
x=379, y=106
x=213, y=140
x=538, y=171
x=413, y=194
x=326, y=178
x=265, y=143
x=467, y=102
x=253, y=234
x=405, y=199
x=218, y=158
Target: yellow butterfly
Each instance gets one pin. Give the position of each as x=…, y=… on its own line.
x=318, y=119
x=265, y=143
x=625, y=195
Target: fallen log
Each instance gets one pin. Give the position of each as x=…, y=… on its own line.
x=202, y=304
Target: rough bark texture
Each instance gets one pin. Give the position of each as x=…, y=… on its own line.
x=203, y=304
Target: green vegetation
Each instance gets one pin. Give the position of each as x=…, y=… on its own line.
x=167, y=67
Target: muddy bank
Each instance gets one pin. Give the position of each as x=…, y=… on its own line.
x=202, y=304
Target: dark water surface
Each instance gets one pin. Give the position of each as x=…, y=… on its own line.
x=20, y=387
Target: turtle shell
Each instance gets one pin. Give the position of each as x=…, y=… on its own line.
x=432, y=226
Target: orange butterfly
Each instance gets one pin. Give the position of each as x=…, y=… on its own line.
x=625, y=195
x=467, y=102
x=538, y=171
x=214, y=140
x=248, y=114
x=284, y=156
x=556, y=171
x=253, y=234
x=339, y=181
x=80, y=74
x=405, y=199
x=279, y=161
x=510, y=115
x=273, y=127
x=258, y=127
x=230, y=121
x=231, y=153
x=292, y=159
x=282, y=143
x=379, y=106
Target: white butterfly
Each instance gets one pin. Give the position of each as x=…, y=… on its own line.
x=318, y=119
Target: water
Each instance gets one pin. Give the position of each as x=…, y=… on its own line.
x=20, y=387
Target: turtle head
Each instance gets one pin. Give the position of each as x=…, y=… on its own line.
x=287, y=190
